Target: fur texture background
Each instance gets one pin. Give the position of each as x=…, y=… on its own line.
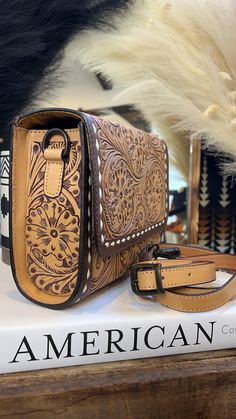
x=176, y=61
x=33, y=36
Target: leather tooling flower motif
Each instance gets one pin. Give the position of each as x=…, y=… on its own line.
x=137, y=148
x=53, y=279
x=53, y=226
x=53, y=230
x=121, y=195
x=154, y=192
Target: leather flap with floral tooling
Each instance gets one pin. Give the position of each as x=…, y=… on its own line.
x=129, y=170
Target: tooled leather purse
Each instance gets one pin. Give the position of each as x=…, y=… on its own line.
x=89, y=202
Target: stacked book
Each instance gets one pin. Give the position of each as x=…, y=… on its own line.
x=110, y=326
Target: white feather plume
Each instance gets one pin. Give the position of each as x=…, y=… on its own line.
x=176, y=61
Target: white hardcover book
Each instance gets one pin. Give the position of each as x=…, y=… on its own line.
x=113, y=325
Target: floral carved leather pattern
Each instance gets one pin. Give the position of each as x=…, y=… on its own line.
x=113, y=201
x=130, y=182
x=105, y=270
x=53, y=225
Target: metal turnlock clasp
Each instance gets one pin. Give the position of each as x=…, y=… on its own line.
x=168, y=253
x=154, y=251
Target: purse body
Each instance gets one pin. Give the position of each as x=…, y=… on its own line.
x=87, y=196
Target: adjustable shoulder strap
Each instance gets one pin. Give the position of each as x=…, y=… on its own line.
x=177, y=283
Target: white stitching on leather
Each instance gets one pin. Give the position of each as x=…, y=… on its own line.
x=166, y=179
x=123, y=240
x=85, y=289
x=89, y=240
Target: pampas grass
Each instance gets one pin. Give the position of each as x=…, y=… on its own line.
x=176, y=62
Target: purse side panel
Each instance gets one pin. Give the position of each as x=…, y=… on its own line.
x=45, y=230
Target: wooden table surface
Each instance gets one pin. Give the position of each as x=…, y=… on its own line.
x=201, y=385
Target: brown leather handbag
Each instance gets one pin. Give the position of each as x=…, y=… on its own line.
x=87, y=197
x=89, y=201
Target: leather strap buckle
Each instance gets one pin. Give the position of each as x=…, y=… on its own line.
x=156, y=267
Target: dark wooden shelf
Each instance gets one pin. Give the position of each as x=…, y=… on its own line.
x=201, y=385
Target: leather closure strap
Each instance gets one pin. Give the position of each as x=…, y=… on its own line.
x=175, y=273
x=177, y=283
x=53, y=172
x=55, y=161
